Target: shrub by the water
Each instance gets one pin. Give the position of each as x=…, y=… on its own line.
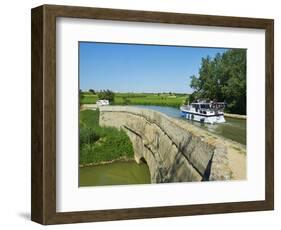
x=88, y=136
x=100, y=144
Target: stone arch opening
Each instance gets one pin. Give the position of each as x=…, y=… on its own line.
x=142, y=160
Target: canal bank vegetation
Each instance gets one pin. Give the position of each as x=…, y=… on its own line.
x=223, y=78
x=101, y=144
x=160, y=99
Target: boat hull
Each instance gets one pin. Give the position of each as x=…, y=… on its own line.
x=219, y=118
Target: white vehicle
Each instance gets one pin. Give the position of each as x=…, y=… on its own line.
x=204, y=112
x=102, y=102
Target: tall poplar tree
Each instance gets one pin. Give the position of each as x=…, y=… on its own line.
x=223, y=78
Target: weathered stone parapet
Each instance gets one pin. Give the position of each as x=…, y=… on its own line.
x=174, y=150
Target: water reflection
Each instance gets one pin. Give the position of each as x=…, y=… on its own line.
x=114, y=174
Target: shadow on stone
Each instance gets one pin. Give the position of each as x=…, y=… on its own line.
x=142, y=160
x=207, y=172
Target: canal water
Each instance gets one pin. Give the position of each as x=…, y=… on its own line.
x=234, y=129
x=116, y=173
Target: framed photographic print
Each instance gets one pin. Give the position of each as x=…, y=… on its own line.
x=140, y=114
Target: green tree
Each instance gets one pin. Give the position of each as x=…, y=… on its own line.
x=222, y=78
x=92, y=91
x=106, y=95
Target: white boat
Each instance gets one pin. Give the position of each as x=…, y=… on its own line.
x=102, y=102
x=204, y=112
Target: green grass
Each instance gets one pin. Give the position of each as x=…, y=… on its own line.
x=88, y=99
x=100, y=144
x=174, y=100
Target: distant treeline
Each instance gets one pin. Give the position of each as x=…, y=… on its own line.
x=160, y=99
x=222, y=78
x=129, y=94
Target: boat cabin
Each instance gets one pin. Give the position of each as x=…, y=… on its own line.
x=206, y=112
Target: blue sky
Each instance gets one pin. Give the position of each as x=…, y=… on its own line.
x=139, y=68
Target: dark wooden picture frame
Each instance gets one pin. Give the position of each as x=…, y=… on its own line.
x=43, y=170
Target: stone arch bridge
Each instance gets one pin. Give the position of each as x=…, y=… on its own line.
x=176, y=151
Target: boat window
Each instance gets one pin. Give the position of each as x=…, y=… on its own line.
x=205, y=106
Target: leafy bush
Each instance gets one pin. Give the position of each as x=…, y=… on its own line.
x=99, y=144
x=88, y=136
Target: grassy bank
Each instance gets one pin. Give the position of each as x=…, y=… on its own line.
x=101, y=144
x=173, y=100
